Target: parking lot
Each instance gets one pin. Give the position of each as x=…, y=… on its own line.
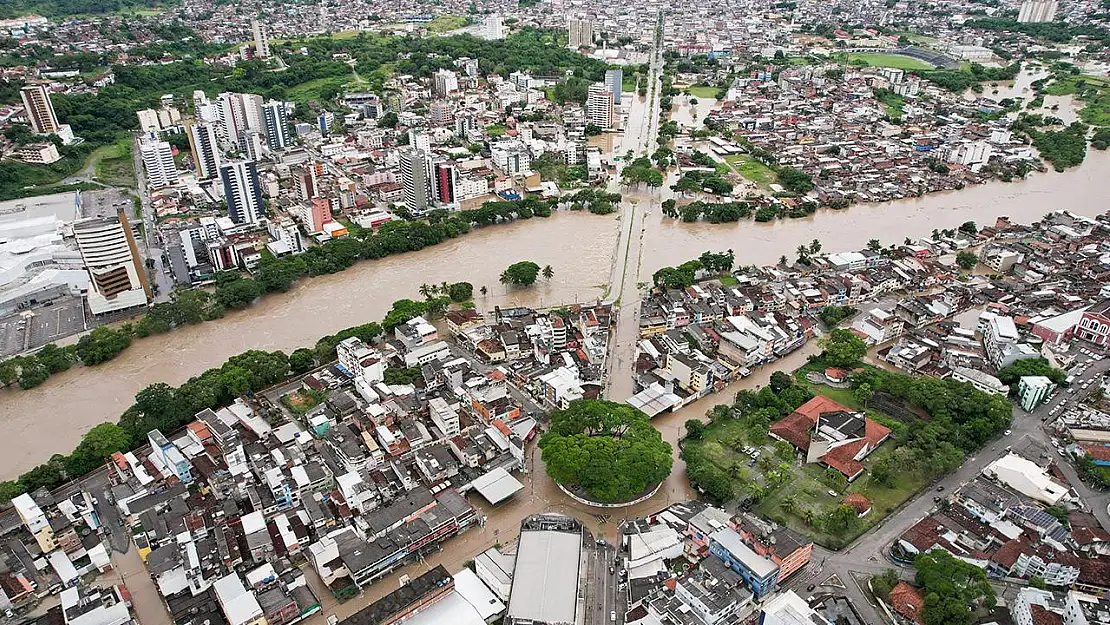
x=1084, y=377
x=40, y=325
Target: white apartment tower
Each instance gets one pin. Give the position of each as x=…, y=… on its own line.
x=261, y=39
x=1038, y=11
x=580, y=33
x=414, y=177
x=158, y=162
x=111, y=256
x=494, y=27
x=206, y=152
x=447, y=82
x=599, y=106
x=243, y=191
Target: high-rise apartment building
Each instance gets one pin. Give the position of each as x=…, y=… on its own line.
x=1038, y=11
x=39, y=109
x=111, y=256
x=446, y=178
x=580, y=33
x=261, y=38
x=614, y=80
x=158, y=161
x=232, y=117
x=414, y=177
x=599, y=106
x=494, y=27
x=446, y=82
x=206, y=152
x=242, y=191
x=275, y=122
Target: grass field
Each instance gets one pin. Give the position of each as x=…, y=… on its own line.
x=704, y=92
x=752, y=169
x=315, y=89
x=447, y=23
x=879, y=59
x=113, y=164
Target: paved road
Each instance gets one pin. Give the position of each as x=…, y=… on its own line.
x=624, y=285
x=867, y=555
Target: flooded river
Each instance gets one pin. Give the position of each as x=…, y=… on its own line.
x=580, y=248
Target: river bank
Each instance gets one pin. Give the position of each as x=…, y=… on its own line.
x=52, y=418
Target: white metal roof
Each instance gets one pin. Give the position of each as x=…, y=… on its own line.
x=497, y=485
x=545, y=581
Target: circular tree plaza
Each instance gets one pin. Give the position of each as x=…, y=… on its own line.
x=605, y=452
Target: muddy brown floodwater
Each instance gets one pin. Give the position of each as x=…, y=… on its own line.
x=580, y=248
x=51, y=418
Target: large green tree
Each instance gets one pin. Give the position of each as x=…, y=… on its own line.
x=843, y=348
x=523, y=273
x=607, y=451
x=951, y=587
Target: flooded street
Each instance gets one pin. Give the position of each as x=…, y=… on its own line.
x=540, y=494
x=592, y=256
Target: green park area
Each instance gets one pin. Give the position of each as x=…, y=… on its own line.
x=113, y=163
x=880, y=59
x=1092, y=91
x=934, y=425
x=704, y=91
x=447, y=23
x=753, y=170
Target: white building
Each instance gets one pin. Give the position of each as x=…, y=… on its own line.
x=983, y=381
x=261, y=38
x=1038, y=11
x=1027, y=478
x=445, y=417
x=493, y=27
x=414, y=178
x=116, y=277
x=157, y=157
x=275, y=122
x=1032, y=389
x=599, y=106
x=361, y=361
x=205, y=150
x=446, y=82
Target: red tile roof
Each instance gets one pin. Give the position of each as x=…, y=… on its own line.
x=859, y=502
x=875, y=433
x=843, y=458
x=908, y=601
x=818, y=405
x=1097, y=452
x=1008, y=554
x=794, y=428
x=1042, y=616
x=923, y=535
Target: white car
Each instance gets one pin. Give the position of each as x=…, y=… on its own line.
x=1007, y=432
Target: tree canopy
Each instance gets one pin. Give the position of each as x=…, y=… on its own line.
x=1029, y=366
x=843, y=348
x=523, y=273
x=951, y=587
x=607, y=451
